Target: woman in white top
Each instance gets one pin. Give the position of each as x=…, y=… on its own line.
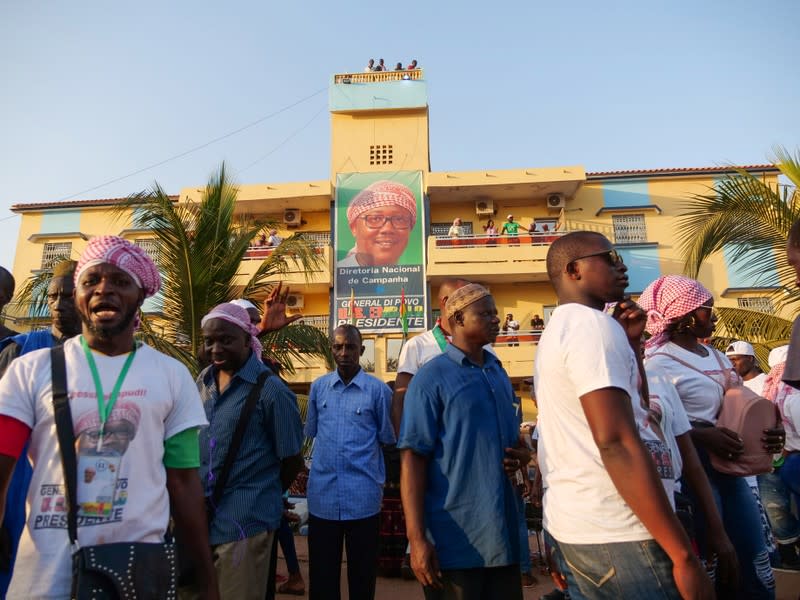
x=680, y=314
x=455, y=229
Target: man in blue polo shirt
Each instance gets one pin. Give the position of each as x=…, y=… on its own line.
x=460, y=447
x=348, y=415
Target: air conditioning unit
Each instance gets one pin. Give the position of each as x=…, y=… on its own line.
x=556, y=201
x=295, y=301
x=484, y=207
x=291, y=217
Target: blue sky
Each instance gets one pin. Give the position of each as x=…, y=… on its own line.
x=93, y=91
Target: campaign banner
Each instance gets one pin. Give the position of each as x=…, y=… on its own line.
x=380, y=252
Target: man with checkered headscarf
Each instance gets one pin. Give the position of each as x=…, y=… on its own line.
x=124, y=396
x=381, y=217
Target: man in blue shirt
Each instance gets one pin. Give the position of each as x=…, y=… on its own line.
x=349, y=417
x=249, y=513
x=460, y=447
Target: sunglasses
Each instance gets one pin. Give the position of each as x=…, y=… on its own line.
x=613, y=257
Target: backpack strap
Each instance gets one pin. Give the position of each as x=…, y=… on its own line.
x=693, y=368
x=66, y=437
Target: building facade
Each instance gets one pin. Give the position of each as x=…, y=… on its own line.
x=380, y=128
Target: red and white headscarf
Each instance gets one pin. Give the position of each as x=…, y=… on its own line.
x=237, y=315
x=668, y=299
x=379, y=194
x=123, y=255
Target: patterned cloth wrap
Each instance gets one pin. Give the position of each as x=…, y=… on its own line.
x=668, y=299
x=463, y=297
x=123, y=255
x=379, y=194
x=777, y=364
x=237, y=315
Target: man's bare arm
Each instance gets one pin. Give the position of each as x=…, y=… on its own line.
x=413, y=474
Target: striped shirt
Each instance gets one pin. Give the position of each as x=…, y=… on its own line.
x=349, y=423
x=252, y=500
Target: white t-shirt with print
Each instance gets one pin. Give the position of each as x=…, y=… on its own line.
x=420, y=349
x=158, y=399
x=580, y=351
x=756, y=384
x=701, y=396
x=671, y=416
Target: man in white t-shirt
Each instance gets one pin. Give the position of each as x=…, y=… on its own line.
x=743, y=357
x=149, y=414
x=604, y=506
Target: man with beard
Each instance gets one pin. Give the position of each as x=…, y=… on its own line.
x=158, y=416
x=65, y=324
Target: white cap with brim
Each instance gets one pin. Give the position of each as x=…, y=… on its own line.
x=740, y=349
x=778, y=355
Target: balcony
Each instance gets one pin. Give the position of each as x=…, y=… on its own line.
x=378, y=76
x=517, y=352
x=315, y=281
x=491, y=259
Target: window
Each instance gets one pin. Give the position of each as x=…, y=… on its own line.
x=629, y=229
x=381, y=155
x=55, y=252
x=368, y=358
x=149, y=245
x=756, y=303
x=441, y=229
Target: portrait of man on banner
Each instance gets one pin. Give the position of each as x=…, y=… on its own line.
x=381, y=218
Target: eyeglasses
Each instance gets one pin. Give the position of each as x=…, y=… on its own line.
x=613, y=257
x=378, y=221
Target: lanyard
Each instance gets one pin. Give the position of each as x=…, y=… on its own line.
x=438, y=334
x=104, y=408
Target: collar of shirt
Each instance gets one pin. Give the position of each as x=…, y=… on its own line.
x=248, y=372
x=458, y=356
x=357, y=381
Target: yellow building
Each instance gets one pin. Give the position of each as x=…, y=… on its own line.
x=379, y=123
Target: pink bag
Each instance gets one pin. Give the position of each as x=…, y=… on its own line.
x=746, y=413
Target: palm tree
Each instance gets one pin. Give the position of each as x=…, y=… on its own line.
x=750, y=218
x=200, y=248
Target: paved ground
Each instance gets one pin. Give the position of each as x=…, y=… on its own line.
x=391, y=588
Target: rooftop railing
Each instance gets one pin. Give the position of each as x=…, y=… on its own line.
x=378, y=76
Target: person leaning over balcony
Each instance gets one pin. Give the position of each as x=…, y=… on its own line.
x=461, y=448
x=412, y=65
x=605, y=508
x=349, y=419
x=381, y=217
x=370, y=66
x=455, y=230
x=399, y=67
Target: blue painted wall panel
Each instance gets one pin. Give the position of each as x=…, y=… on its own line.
x=621, y=194
x=61, y=221
x=740, y=275
x=378, y=96
x=643, y=267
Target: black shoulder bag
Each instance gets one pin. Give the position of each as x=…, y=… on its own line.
x=119, y=571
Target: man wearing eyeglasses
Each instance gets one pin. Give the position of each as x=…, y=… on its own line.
x=381, y=217
x=605, y=509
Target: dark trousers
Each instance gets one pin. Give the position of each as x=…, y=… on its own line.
x=325, y=539
x=479, y=584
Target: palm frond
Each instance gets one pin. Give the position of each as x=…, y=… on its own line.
x=764, y=331
x=297, y=343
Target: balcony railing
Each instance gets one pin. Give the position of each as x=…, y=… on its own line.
x=378, y=76
x=318, y=239
x=477, y=241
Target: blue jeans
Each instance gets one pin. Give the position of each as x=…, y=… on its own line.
x=790, y=475
x=525, y=549
x=777, y=500
x=742, y=521
x=629, y=570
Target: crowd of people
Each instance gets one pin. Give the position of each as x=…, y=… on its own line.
x=509, y=228
x=382, y=66
x=115, y=450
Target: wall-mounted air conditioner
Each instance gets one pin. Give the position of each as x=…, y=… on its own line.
x=291, y=217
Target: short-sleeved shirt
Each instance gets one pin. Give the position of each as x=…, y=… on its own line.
x=700, y=392
x=348, y=423
x=462, y=416
x=756, y=384
x=152, y=408
x=252, y=501
x=511, y=228
x=583, y=350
